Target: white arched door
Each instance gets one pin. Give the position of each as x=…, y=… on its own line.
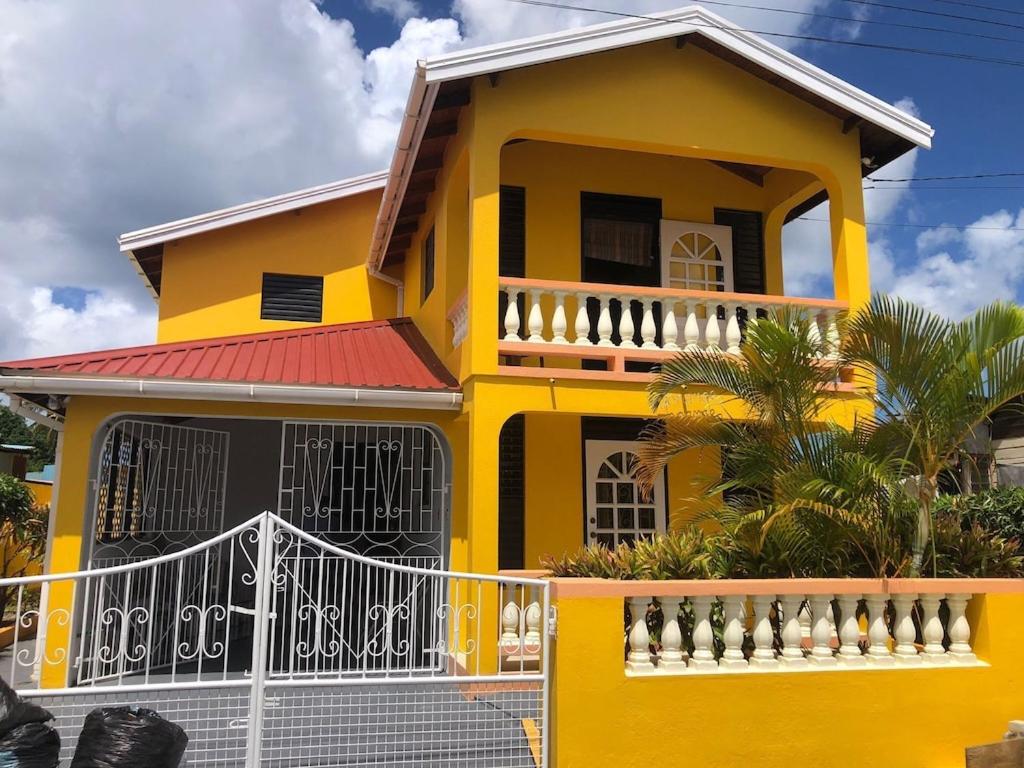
x=696, y=257
x=616, y=513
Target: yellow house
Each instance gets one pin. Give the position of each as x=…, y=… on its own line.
x=442, y=367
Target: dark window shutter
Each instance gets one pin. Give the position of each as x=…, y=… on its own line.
x=428, y=266
x=747, y=248
x=292, y=297
x=511, y=245
x=512, y=232
x=512, y=493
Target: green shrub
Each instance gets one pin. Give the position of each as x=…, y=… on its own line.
x=999, y=510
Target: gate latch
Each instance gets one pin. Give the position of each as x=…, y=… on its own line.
x=552, y=621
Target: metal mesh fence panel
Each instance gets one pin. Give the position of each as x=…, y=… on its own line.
x=214, y=719
x=436, y=724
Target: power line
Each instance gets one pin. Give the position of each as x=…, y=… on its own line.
x=953, y=178
x=852, y=20
x=810, y=38
x=923, y=226
x=958, y=17
x=928, y=189
x=965, y=4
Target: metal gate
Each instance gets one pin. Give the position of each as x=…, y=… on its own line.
x=159, y=488
x=299, y=653
x=379, y=490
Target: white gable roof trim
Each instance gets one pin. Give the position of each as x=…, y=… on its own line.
x=620, y=34
x=256, y=209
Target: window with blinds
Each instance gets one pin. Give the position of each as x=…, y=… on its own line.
x=292, y=297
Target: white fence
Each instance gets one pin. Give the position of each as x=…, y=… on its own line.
x=292, y=652
x=819, y=628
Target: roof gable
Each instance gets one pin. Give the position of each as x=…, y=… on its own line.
x=437, y=79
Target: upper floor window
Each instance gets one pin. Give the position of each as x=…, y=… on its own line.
x=619, y=239
x=428, y=266
x=292, y=297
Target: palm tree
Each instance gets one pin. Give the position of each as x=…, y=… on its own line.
x=933, y=382
x=778, y=518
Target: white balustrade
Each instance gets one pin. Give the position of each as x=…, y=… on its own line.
x=732, y=656
x=906, y=631
x=792, y=631
x=673, y=655
x=959, y=630
x=884, y=648
x=703, y=657
x=932, y=630
x=639, y=661
x=878, y=632
x=632, y=317
x=849, y=632
x=764, y=637
x=510, y=628
x=821, y=631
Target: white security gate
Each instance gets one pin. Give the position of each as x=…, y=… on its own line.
x=299, y=653
x=379, y=490
x=159, y=488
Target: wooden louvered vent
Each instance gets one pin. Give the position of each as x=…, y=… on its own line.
x=292, y=297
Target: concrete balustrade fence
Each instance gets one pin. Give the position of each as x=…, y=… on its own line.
x=903, y=672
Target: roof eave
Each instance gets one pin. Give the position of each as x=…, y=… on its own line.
x=255, y=209
x=417, y=109
x=380, y=397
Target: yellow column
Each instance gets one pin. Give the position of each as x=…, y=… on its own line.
x=849, y=236
x=64, y=553
x=484, y=181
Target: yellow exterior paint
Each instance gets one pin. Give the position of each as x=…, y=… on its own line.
x=554, y=471
x=212, y=282
x=42, y=492
x=909, y=718
x=656, y=100
x=640, y=121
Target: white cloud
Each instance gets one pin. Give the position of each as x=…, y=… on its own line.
x=400, y=10
x=120, y=115
x=988, y=265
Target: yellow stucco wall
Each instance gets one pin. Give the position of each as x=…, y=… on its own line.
x=911, y=718
x=655, y=99
x=555, y=514
x=211, y=283
x=555, y=174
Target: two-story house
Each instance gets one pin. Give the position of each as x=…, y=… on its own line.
x=444, y=364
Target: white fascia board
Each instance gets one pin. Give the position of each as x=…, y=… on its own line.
x=417, y=109
x=694, y=19
x=238, y=392
x=225, y=217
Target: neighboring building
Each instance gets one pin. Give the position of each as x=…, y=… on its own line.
x=434, y=365
x=14, y=459
x=994, y=456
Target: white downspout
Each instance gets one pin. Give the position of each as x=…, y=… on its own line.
x=397, y=283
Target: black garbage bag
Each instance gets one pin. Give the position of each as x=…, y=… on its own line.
x=33, y=745
x=129, y=737
x=16, y=711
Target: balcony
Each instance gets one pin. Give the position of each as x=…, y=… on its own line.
x=535, y=323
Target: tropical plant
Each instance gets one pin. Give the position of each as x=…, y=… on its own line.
x=22, y=534
x=802, y=494
x=933, y=381
x=999, y=510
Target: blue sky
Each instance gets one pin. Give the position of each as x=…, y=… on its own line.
x=116, y=116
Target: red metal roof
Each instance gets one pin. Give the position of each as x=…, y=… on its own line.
x=379, y=354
